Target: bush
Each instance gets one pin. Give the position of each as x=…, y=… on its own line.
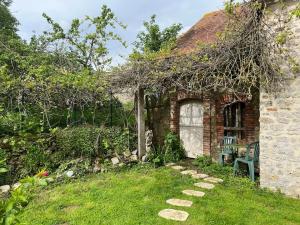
x=77, y=142
x=25, y=155
x=35, y=159
x=89, y=141
x=173, y=148
x=203, y=161
x=171, y=151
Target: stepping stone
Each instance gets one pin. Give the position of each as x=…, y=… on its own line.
x=170, y=164
x=189, y=172
x=179, y=202
x=193, y=193
x=213, y=180
x=204, y=185
x=177, y=167
x=172, y=214
x=199, y=176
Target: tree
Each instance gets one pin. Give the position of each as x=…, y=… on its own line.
x=154, y=39
x=88, y=47
x=8, y=23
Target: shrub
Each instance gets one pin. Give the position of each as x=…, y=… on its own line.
x=171, y=151
x=25, y=154
x=77, y=141
x=203, y=161
x=89, y=141
x=35, y=159
x=173, y=148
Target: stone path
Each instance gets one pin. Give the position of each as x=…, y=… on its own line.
x=178, y=167
x=213, y=180
x=193, y=193
x=172, y=214
x=199, y=176
x=189, y=172
x=179, y=202
x=178, y=215
x=204, y=185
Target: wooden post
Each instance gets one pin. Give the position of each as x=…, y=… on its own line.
x=141, y=124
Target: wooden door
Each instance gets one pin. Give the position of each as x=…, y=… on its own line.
x=191, y=128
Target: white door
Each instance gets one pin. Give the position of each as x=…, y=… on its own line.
x=191, y=128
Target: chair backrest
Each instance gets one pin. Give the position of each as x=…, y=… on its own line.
x=227, y=140
x=255, y=146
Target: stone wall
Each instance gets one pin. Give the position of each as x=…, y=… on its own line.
x=280, y=128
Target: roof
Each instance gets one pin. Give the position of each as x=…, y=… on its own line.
x=204, y=31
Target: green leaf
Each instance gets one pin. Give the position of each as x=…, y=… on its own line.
x=3, y=170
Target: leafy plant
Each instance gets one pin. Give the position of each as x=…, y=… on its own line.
x=35, y=159
x=3, y=169
x=19, y=198
x=203, y=161
x=173, y=148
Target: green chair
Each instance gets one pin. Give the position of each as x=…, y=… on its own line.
x=251, y=161
x=227, y=150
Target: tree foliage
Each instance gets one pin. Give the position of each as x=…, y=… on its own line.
x=154, y=38
x=58, y=78
x=86, y=40
x=8, y=23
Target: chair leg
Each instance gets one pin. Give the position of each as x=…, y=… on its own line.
x=235, y=167
x=251, y=171
x=221, y=159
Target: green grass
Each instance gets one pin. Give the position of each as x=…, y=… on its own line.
x=136, y=197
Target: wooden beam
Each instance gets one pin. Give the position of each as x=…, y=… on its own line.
x=141, y=124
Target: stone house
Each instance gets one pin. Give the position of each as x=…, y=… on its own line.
x=203, y=120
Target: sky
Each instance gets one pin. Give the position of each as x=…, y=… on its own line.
x=130, y=12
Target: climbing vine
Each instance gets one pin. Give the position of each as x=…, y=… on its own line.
x=246, y=57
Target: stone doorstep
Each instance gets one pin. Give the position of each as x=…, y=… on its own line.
x=189, y=172
x=204, y=185
x=177, y=167
x=213, y=180
x=193, y=193
x=199, y=176
x=172, y=214
x=179, y=202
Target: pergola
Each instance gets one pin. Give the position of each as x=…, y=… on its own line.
x=244, y=59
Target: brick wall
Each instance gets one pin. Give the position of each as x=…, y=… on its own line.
x=213, y=119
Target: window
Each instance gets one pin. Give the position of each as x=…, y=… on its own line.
x=234, y=117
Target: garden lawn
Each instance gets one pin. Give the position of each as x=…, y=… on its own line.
x=136, y=197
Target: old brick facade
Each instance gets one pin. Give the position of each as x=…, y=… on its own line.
x=213, y=118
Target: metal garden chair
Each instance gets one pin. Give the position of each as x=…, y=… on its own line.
x=251, y=161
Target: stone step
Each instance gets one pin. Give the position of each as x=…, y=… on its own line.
x=213, y=180
x=179, y=202
x=172, y=214
x=204, y=185
x=178, y=167
x=189, y=172
x=193, y=193
x=170, y=164
x=199, y=176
